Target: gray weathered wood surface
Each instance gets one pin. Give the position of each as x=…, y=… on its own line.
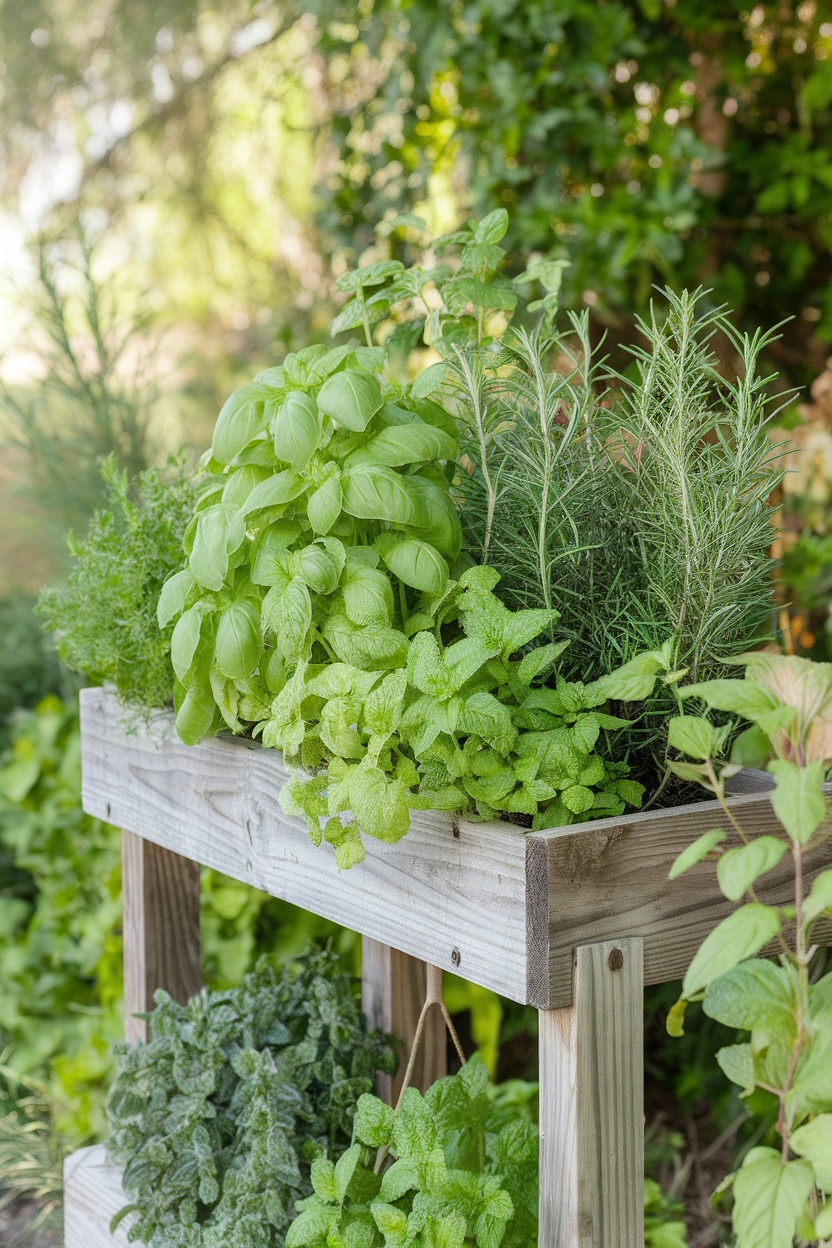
x=160, y=892
x=500, y=908
x=92, y=1196
x=610, y=878
x=392, y=994
x=592, y=1105
x=457, y=902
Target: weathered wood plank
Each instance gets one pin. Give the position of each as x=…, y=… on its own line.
x=592, y=1105
x=392, y=994
x=450, y=894
x=610, y=878
x=92, y=1197
x=503, y=909
x=160, y=892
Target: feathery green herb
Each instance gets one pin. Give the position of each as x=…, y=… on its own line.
x=104, y=617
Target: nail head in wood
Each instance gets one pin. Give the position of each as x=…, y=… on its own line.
x=456, y=957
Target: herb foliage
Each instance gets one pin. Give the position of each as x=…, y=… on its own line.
x=636, y=503
x=103, y=617
x=319, y=611
x=457, y=1177
x=219, y=1119
x=785, y=1006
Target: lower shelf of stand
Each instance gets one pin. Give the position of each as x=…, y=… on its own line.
x=92, y=1197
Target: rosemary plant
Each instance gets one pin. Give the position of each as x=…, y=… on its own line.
x=637, y=504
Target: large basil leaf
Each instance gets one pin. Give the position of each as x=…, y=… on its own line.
x=378, y=493
x=243, y=416
x=439, y=523
x=323, y=507
x=411, y=443
x=350, y=399
x=219, y=532
x=186, y=638
x=239, y=642
x=419, y=565
x=276, y=490
x=296, y=429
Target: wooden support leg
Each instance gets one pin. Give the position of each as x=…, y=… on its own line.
x=592, y=1104
x=160, y=893
x=393, y=992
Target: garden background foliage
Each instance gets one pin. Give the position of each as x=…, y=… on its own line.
x=232, y=163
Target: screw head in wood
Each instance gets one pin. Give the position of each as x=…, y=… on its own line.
x=456, y=957
x=615, y=960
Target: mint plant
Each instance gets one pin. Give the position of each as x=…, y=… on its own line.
x=456, y=1178
x=324, y=609
x=784, y=1006
x=219, y=1119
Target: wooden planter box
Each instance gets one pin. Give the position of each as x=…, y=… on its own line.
x=573, y=921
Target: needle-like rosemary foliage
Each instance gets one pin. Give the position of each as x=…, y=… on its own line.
x=636, y=505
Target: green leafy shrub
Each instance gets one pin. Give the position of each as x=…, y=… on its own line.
x=454, y=1180
x=29, y=667
x=60, y=919
x=635, y=503
x=103, y=618
x=60, y=914
x=318, y=611
x=785, y=1006
x=218, y=1120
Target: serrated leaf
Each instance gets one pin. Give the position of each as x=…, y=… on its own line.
x=798, y=799
x=486, y=717
x=813, y=1141
x=820, y=897
x=768, y=1199
x=373, y=1121
x=379, y=804
x=740, y=936
x=739, y=868
x=383, y=706
x=693, y=736
x=322, y=1175
x=696, y=852
x=756, y=995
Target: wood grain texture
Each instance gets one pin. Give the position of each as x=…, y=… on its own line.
x=592, y=1105
x=450, y=894
x=92, y=1197
x=392, y=993
x=502, y=909
x=610, y=878
x=160, y=891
